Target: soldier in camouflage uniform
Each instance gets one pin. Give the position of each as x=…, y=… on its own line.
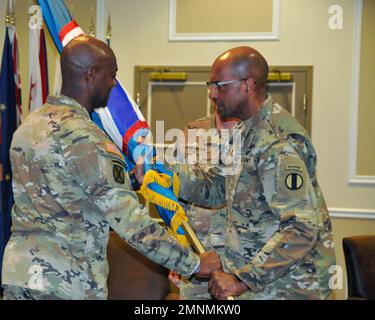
x=278, y=241
x=70, y=187
x=206, y=222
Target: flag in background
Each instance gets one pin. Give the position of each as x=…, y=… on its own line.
x=108, y=35
x=16, y=70
x=38, y=68
x=9, y=99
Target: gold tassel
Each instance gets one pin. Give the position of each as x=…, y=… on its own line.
x=179, y=237
x=158, y=199
x=164, y=202
x=177, y=218
x=153, y=177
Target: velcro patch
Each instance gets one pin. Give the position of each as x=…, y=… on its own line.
x=292, y=177
x=118, y=171
x=294, y=181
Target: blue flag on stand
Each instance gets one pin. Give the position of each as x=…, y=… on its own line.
x=8, y=124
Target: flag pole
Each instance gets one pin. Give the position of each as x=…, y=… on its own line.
x=12, y=13
x=108, y=35
x=195, y=242
x=92, y=24
x=7, y=15
x=192, y=237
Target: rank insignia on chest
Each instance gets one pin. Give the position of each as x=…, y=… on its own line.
x=118, y=171
x=294, y=181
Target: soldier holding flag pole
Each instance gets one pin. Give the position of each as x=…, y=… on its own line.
x=70, y=187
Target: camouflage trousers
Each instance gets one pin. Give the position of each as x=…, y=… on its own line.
x=19, y=293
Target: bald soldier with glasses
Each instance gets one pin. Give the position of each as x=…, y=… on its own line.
x=276, y=237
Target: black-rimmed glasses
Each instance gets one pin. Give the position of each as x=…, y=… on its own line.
x=217, y=85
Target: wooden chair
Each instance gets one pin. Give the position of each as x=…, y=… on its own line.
x=359, y=254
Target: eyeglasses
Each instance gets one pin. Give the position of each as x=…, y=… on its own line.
x=218, y=85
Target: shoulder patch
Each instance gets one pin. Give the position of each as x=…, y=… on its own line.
x=292, y=177
x=118, y=171
x=294, y=181
x=111, y=148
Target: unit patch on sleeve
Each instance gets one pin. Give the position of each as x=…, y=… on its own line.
x=292, y=177
x=294, y=181
x=118, y=171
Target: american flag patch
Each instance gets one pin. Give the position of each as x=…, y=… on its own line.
x=110, y=147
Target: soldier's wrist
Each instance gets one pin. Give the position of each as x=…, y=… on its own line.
x=133, y=181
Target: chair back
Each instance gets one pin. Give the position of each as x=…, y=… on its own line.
x=359, y=254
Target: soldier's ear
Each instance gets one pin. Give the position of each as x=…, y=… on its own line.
x=91, y=74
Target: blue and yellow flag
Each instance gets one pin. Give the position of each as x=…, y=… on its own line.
x=8, y=124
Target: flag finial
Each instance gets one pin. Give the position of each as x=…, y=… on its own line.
x=109, y=30
x=138, y=99
x=12, y=13
x=92, y=24
x=72, y=10
x=7, y=15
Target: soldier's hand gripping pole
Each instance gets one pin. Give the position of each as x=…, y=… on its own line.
x=195, y=243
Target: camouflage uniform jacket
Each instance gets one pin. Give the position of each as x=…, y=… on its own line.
x=278, y=234
x=69, y=188
x=206, y=222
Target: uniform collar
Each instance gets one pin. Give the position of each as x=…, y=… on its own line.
x=67, y=101
x=260, y=115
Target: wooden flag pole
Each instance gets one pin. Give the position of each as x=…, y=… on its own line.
x=195, y=243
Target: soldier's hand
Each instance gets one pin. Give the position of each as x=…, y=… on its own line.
x=223, y=285
x=139, y=170
x=175, y=278
x=210, y=262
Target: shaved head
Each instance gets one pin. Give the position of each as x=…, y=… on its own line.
x=80, y=54
x=247, y=72
x=88, y=68
x=246, y=62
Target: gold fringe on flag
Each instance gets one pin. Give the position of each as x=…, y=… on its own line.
x=179, y=214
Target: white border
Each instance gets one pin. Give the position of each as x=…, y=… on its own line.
x=359, y=214
x=273, y=35
x=355, y=179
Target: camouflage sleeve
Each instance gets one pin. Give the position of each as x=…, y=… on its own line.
x=195, y=157
x=100, y=173
x=205, y=188
x=291, y=197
